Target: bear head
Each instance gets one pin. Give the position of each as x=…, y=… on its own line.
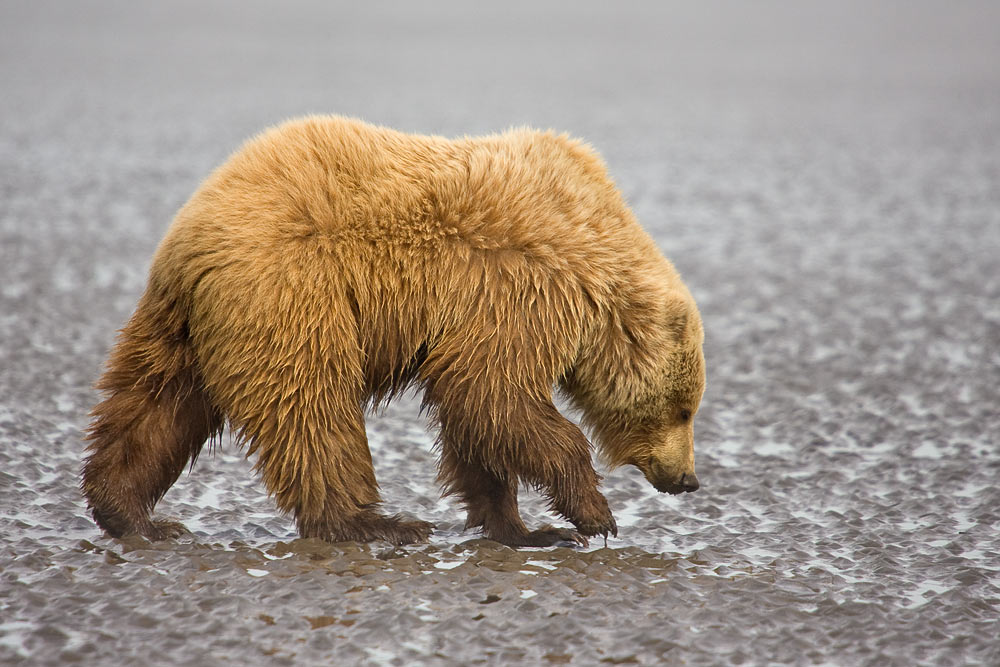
x=642, y=395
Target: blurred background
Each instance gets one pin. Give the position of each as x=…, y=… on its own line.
x=826, y=176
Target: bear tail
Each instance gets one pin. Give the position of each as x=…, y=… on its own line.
x=154, y=419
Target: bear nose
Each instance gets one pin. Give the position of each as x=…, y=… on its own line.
x=689, y=481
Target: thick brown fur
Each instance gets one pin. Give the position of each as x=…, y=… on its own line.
x=329, y=264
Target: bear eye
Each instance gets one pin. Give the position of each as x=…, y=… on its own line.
x=685, y=415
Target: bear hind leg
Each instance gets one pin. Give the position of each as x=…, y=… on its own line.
x=154, y=419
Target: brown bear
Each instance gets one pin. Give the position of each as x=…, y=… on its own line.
x=329, y=264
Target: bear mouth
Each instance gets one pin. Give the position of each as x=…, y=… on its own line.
x=663, y=482
x=672, y=489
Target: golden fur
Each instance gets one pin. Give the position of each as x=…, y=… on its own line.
x=329, y=264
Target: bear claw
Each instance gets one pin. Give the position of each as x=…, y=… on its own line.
x=163, y=529
x=409, y=532
x=605, y=528
x=116, y=525
x=546, y=536
x=371, y=527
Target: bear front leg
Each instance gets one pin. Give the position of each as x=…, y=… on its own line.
x=491, y=502
x=526, y=439
x=551, y=453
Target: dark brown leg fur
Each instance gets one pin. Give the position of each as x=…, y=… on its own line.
x=530, y=440
x=491, y=503
x=154, y=420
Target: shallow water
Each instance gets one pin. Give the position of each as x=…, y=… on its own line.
x=828, y=186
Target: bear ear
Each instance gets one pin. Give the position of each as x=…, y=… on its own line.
x=677, y=316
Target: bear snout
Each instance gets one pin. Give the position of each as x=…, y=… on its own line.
x=666, y=482
x=689, y=481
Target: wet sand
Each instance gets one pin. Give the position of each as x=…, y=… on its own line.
x=828, y=183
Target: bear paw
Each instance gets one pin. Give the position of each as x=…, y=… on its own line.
x=550, y=536
x=604, y=526
x=592, y=516
x=163, y=530
x=117, y=525
x=399, y=531
x=372, y=527
x=546, y=536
